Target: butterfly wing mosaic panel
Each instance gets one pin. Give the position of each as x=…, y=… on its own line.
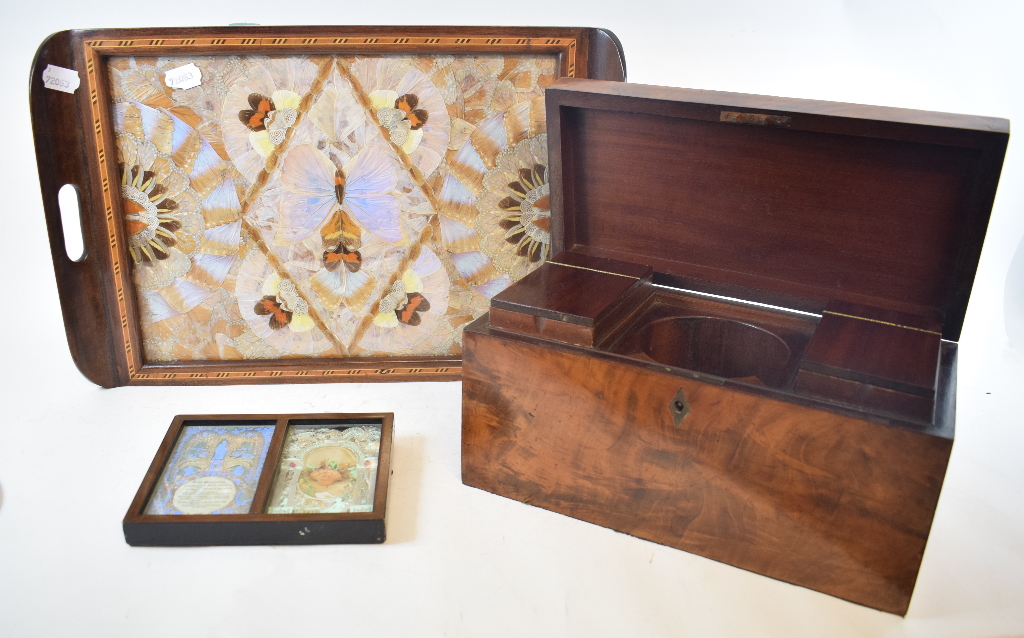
x=328, y=206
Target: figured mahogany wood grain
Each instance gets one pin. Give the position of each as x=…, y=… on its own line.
x=864, y=396
x=875, y=347
x=531, y=324
x=814, y=497
x=565, y=294
x=572, y=288
x=884, y=207
x=572, y=298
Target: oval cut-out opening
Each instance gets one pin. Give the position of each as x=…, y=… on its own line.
x=71, y=221
x=722, y=347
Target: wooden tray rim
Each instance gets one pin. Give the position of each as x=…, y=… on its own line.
x=89, y=50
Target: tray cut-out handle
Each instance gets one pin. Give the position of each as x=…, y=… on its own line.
x=70, y=204
x=60, y=140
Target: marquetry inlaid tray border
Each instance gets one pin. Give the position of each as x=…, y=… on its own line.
x=256, y=371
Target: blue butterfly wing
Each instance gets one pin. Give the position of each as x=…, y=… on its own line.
x=379, y=214
x=301, y=215
x=307, y=171
x=308, y=175
x=375, y=172
x=368, y=194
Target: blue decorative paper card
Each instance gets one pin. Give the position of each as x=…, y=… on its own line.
x=214, y=469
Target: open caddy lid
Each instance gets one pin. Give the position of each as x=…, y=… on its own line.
x=789, y=202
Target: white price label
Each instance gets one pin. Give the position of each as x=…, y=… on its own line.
x=60, y=79
x=184, y=77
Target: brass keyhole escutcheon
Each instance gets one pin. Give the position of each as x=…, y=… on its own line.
x=679, y=407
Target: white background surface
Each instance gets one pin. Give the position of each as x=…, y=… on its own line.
x=459, y=561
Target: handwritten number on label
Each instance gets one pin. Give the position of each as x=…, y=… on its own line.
x=184, y=77
x=60, y=79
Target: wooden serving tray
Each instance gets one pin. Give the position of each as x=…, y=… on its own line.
x=328, y=204
x=266, y=479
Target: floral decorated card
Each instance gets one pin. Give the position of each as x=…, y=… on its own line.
x=325, y=468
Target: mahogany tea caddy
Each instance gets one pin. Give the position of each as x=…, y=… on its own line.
x=745, y=344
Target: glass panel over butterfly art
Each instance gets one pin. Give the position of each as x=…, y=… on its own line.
x=327, y=467
x=214, y=468
x=328, y=206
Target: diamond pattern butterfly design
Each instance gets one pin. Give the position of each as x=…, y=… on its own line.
x=329, y=206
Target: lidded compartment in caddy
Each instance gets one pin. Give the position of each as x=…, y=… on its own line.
x=861, y=226
x=744, y=345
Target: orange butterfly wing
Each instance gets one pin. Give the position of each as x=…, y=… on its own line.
x=255, y=118
x=410, y=313
x=279, y=318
